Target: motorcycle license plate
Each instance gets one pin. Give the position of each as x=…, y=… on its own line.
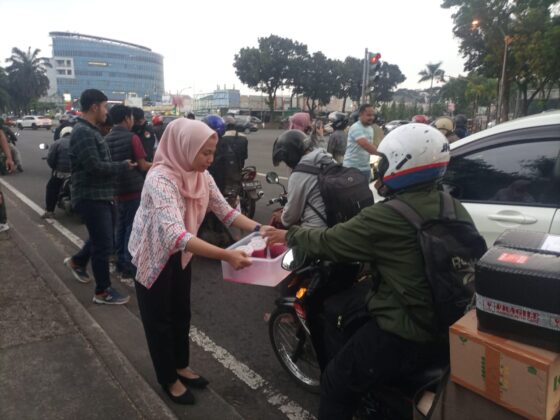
x=251, y=185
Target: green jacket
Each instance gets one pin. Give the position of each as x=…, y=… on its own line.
x=385, y=239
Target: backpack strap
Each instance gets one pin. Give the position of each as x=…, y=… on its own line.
x=308, y=169
x=447, y=207
x=406, y=211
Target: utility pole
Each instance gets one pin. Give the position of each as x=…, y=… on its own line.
x=364, y=77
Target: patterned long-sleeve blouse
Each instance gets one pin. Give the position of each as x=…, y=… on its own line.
x=159, y=230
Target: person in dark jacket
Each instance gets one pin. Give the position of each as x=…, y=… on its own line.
x=123, y=144
x=93, y=191
x=391, y=340
x=146, y=133
x=59, y=161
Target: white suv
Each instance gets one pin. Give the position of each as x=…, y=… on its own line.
x=508, y=176
x=34, y=122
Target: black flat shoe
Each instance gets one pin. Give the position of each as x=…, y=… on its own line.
x=187, y=398
x=199, y=382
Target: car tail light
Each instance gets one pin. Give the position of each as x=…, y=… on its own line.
x=249, y=175
x=299, y=310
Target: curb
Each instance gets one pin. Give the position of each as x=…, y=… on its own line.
x=139, y=392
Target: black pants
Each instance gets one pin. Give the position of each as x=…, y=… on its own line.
x=53, y=189
x=371, y=357
x=165, y=309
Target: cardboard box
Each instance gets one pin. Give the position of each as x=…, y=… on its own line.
x=519, y=377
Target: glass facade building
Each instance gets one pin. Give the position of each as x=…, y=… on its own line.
x=119, y=69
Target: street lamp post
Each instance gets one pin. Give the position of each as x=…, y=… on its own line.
x=507, y=41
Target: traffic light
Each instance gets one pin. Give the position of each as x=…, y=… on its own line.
x=374, y=66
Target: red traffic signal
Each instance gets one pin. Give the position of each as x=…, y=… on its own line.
x=374, y=58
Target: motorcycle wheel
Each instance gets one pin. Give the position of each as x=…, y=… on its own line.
x=286, y=334
x=247, y=206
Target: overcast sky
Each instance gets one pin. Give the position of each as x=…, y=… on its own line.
x=199, y=39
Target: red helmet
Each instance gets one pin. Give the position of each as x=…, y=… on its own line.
x=421, y=119
x=157, y=120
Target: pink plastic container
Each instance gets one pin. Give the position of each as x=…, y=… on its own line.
x=263, y=271
x=247, y=249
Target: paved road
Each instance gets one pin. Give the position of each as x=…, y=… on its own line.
x=230, y=331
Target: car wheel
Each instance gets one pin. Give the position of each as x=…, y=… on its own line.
x=247, y=130
x=48, y=127
x=34, y=126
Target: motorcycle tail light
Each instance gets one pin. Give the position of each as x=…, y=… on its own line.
x=299, y=310
x=250, y=176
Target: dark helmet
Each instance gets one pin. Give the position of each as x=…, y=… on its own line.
x=216, y=123
x=460, y=121
x=339, y=120
x=354, y=116
x=289, y=147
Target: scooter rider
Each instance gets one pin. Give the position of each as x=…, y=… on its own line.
x=305, y=205
x=413, y=158
x=336, y=145
x=59, y=161
x=146, y=133
x=12, y=140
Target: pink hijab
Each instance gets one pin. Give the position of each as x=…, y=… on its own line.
x=179, y=145
x=300, y=121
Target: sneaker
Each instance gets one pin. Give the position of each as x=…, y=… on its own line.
x=48, y=215
x=79, y=273
x=110, y=297
x=4, y=227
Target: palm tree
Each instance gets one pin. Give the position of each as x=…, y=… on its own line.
x=27, y=77
x=4, y=95
x=431, y=72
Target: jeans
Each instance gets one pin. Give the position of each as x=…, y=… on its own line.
x=98, y=217
x=3, y=214
x=371, y=357
x=126, y=210
x=53, y=190
x=165, y=310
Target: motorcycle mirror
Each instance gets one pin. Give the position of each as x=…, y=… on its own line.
x=43, y=146
x=272, y=178
x=288, y=261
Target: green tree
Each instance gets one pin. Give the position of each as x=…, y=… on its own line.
x=319, y=81
x=349, y=79
x=454, y=91
x=390, y=76
x=27, y=77
x=267, y=67
x=480, y=91
x=4, y=92
x=431, y=72
x=523, y=30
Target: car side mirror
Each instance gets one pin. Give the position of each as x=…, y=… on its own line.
x=43, y=146
x=272, y=178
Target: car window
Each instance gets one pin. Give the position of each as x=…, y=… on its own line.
x=520, y=173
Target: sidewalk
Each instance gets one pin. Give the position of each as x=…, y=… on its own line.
x=51, y=365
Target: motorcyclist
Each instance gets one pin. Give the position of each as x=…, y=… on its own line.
x=420, y=119
x=336, y=145
x=413, y=158
x=305, y=205
x=65, y=121
x=157, y=124
x=12, y=140
x=146, y=133
x=59, y=161
x=461, y=126
x=445, y=125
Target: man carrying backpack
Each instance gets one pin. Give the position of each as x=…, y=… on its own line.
x=403, y=328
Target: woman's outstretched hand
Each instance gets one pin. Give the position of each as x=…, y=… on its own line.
x=274, y=236
x=238, y=259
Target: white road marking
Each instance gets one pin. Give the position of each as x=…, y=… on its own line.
x=252, y=379
x=264, y=176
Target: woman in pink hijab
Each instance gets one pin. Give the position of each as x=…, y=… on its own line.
x=177, y=193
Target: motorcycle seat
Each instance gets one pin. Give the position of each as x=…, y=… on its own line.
x=409, y=384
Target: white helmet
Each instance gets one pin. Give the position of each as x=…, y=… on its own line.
x=412, y=154
x=66, y=131
x=444, y=123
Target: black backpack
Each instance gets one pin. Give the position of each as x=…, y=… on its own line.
x=450, y=248
x=345, y=191
x=226, y=168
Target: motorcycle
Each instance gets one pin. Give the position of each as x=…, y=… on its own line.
x=12, y=138
x=251, y=191
x=304, y=344
x=64, y=200
x=275, y=221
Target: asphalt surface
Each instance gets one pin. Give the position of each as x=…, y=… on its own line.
x=232, y=346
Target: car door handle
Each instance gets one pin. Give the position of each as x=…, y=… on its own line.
x=513, y=218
